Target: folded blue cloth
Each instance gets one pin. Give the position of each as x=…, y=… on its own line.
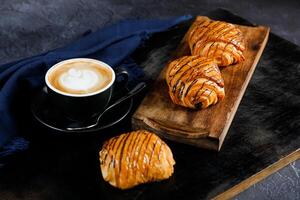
x=112, y=44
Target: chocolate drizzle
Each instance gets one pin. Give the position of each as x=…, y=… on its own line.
x=211, y=33
x=195, y=75
x=137, y=157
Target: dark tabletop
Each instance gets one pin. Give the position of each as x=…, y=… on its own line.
x=29, y=27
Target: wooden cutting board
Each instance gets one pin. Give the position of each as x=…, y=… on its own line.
x=208, y=127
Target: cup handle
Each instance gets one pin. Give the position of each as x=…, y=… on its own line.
x=124, y=74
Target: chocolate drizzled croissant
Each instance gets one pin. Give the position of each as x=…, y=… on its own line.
x=135, y=158
x=194, y=82
x=216, y=39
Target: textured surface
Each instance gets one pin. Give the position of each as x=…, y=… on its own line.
x=33, y=26
x=278, y=186
x=62, y=167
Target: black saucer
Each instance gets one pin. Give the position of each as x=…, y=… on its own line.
x=47, y=114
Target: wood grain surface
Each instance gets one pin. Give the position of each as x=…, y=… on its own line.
x=208, y=127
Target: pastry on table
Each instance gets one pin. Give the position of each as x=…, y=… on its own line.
x=194, y=82
x=134, y=158
x=216, y=39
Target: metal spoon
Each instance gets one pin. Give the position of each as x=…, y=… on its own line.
x=131, y=93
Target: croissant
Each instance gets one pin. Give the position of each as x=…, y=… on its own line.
x=195, y=82
x=135, y=158
x=216, y=39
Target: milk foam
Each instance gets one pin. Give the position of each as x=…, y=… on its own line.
x=80, y=79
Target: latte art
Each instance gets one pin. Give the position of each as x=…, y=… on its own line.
x=80, y=77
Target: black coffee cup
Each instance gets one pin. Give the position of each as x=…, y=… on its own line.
x=83, y=106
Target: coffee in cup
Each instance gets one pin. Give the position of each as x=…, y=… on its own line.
x=80, y=87
x=80, y=77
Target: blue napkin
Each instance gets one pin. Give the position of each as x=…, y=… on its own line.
x=112, y=44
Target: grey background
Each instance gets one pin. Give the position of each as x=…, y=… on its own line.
x=284, y=184
x=29, y=27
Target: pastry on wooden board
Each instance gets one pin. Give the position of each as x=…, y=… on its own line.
x=194, y=82
x=216, y=39
x=134, y=158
